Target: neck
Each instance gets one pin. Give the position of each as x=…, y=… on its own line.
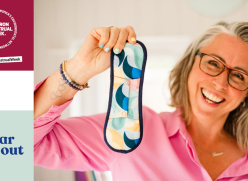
x=208, y=131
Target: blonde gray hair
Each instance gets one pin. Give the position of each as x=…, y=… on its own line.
x=237, y=122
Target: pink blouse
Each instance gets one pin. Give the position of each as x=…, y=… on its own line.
x=165, y=153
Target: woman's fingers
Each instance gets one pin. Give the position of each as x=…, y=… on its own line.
x=126, y=33
x=110, y=37
x=104, y=36
x=114, y=34
x=131, y=34
x=121, y=41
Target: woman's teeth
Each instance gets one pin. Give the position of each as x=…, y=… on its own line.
x=211, y=98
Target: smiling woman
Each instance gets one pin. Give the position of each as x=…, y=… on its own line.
x=206, y=138
x=210, y=85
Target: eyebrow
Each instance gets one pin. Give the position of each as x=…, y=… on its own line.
x=225, y=63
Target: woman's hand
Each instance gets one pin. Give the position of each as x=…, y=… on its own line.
x=92, y=58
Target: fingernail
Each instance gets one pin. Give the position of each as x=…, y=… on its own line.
x=107, y=49
x=101, y=45
x=117, y=51
x=133, y=39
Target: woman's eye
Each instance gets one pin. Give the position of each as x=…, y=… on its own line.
x=239, y=76
x=214, y=63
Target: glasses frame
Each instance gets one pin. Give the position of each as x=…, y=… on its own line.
x=225, y=67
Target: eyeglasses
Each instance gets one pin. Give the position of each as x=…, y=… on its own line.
x=214, y=67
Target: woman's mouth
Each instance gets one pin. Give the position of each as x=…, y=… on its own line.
x=210, y=98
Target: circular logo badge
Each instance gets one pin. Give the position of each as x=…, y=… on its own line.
x=8, y=29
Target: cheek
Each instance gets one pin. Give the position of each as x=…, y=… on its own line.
x=237, y=96
x=192, y=85
x=196, y=76
x=191, y=82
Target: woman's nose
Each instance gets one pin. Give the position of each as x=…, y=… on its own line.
x=221, y=81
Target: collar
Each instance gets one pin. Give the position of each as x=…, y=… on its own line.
x=175, y=123
x=237, y=168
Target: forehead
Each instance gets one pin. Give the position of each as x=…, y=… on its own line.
x=232, y=49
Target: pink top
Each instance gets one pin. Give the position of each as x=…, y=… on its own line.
x=165, y=153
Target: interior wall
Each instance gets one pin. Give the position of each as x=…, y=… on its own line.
x=58, y=22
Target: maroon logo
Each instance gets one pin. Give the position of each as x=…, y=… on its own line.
x=8, y=29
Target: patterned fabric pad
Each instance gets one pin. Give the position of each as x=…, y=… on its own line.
x=123, y=128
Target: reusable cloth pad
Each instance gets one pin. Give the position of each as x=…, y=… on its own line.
x=123, y=127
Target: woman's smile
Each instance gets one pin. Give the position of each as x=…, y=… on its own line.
x=210, y=98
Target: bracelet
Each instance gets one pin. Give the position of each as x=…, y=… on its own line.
x=68, y=80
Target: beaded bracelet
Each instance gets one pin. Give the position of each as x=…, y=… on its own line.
x=68, y=80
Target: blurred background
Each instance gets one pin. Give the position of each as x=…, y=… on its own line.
x=166, y=28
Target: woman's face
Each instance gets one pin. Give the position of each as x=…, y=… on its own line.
x=235, y=53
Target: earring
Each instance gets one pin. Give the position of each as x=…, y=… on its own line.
x=244, y=104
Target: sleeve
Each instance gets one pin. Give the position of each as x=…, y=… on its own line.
x=75, y=143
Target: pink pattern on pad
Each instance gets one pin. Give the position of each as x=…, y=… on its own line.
x=133, y=84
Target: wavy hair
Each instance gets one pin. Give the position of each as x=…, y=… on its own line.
x=237, y=121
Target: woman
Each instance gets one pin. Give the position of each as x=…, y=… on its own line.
x=206, y=138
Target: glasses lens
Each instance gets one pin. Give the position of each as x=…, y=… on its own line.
x=211, y=66
x=238, y=80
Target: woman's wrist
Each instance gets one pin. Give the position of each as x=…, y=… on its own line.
x=77, y=72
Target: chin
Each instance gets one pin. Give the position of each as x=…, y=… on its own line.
x=202, y=113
